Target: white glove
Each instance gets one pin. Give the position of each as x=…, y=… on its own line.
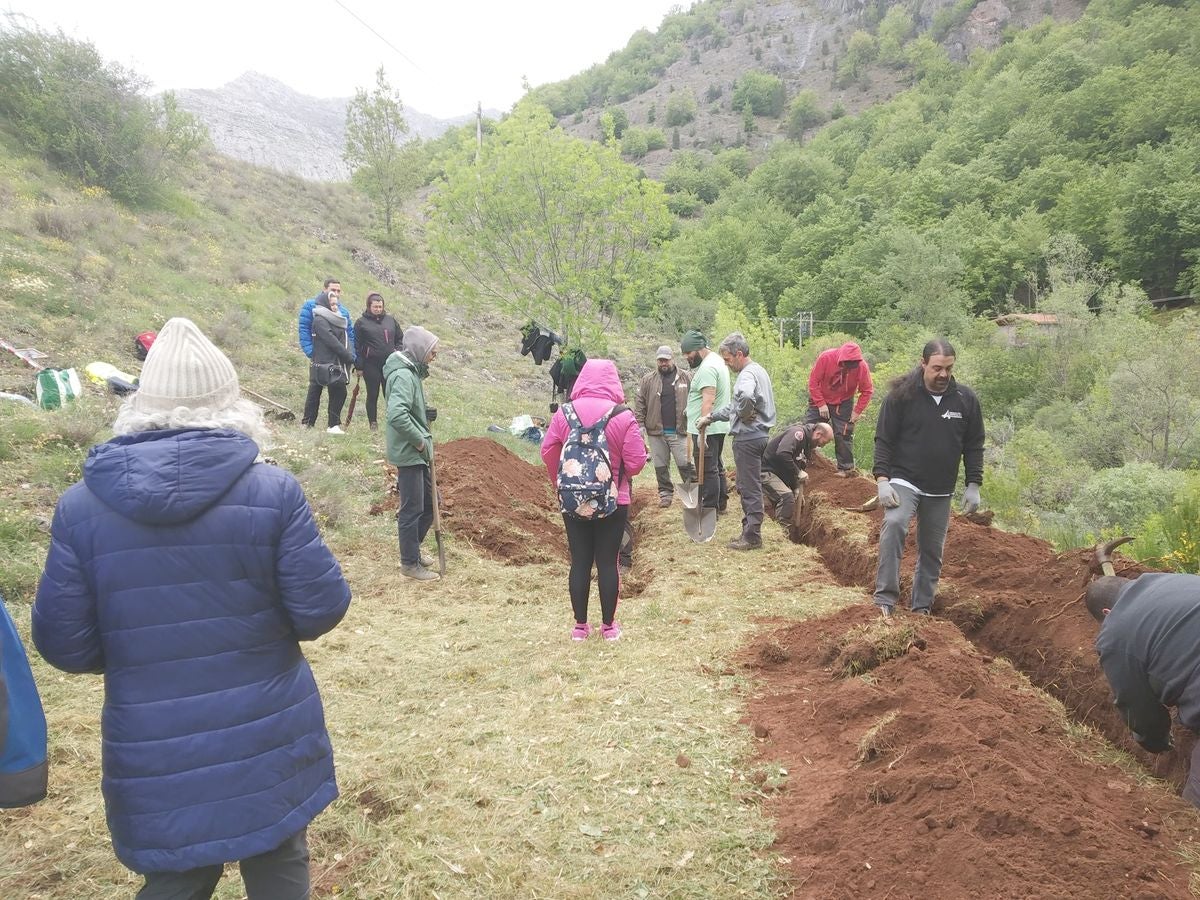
x=704, y=422
x=970, y=500
x=887, y=495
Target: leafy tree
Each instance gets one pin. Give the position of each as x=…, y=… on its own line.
x=545, y=226
x=895, y=29
x=1124, y=497
x=861, y=50
x=804, y=113
x=681, y=108
x=90, y=118
x=762, y=92
x=375, y=130
x=620, y=120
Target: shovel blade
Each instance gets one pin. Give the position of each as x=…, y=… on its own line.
x=700, y=524
x=689, y=494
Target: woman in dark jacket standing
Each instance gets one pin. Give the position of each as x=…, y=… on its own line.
x=331, y=356
x=378, y=338
x=187, y=573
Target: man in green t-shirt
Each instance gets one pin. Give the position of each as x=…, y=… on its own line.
x=709, y=390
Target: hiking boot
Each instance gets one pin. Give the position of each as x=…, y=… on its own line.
x=611, y=632
x=742, y=543
x=926, y=611
x=845, y=473
x=419, y=573
x=581, y=631
x=334, y=429
x=886, y=614
x=664, y=502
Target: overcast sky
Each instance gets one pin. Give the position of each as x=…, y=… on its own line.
x=441, y=55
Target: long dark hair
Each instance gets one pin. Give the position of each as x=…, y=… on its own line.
x=905, y=386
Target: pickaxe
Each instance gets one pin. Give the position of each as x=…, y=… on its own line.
x=1102, y=563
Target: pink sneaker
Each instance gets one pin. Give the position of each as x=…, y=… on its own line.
x=611, y=632
x=581, y=632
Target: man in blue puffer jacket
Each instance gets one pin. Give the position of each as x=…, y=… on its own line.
x=312, y=401
x=187, y=573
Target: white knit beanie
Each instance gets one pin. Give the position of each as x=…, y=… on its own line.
x=184, y=368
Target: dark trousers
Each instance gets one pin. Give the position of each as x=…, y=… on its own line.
x=843, y=430
x=747, y=461
x=414, y=518
x=279, y=874
x=374, y=379
x=595, y=543
x=715, y=492
x=1191, y=790
x=312, y=404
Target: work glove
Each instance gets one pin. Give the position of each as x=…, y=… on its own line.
x=703, y=422
x=887, y=495
x=970, y=500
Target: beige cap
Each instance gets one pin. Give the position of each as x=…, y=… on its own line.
x=664, y=352
x=184, y=368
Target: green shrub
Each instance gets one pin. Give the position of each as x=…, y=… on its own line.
x=762, y=92
x=89, y=118
x=681, y=109
x=1123, y=498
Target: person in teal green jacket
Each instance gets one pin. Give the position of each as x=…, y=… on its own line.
x=410, y=447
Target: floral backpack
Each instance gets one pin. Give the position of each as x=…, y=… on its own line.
x=586, y=487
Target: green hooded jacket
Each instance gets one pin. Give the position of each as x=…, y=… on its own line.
x=407, y=425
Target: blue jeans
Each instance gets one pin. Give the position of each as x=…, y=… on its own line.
x=414, y=518
x=933, y=519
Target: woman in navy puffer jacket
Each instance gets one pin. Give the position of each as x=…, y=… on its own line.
x=186, y=572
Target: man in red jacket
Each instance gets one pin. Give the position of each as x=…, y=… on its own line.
x=836, y=376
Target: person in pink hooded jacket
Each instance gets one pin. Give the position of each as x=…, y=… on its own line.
x=597, y=541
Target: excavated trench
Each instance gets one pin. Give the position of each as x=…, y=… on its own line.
x=1009, y=594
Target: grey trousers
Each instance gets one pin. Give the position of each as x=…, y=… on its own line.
x=664, y=448
x=279, y=874
x=415, y=515
x=747, y=461
x=933, y=518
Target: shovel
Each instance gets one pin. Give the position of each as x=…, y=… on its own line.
x=437, y=514
x=699, y=522
x=689, y=491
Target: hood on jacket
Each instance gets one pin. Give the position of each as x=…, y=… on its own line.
x=599, y=378
x=399, y=360
x=849, y=352
x=336, y=319
x=167, y=477
x=367, y=314
x=419, y=343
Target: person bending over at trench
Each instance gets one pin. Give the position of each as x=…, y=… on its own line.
x=785, y=461
x=1149, y=632
x=597, y=541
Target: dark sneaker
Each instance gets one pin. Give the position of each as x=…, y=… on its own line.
x=664, y=502
x=742, y=544
x=885, y=613
x=419, y=573
x=927, y=612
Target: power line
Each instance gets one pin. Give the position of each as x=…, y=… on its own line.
x=367, y=26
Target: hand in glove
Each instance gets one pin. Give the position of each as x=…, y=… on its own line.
x=887, y=495
x=970, y=501
x=703, y=422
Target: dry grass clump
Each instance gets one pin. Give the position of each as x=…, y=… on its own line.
x=864, y=647
x=879, y=739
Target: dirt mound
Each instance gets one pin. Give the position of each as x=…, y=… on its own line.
x=1010, y=593
x=940, y=774
x=491, y=498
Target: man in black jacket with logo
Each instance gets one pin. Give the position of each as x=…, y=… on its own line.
x=927, y=425
x=378, y=337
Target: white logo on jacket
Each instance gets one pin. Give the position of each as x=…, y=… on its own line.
x=951, y=414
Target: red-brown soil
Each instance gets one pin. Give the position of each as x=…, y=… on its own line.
x=1011, y=594
x=495, y=501
x=971, y=789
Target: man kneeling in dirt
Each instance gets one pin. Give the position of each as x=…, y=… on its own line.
x=1150, y=628
x=784, y=462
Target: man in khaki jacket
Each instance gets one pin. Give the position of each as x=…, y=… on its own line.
x=661, y=411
